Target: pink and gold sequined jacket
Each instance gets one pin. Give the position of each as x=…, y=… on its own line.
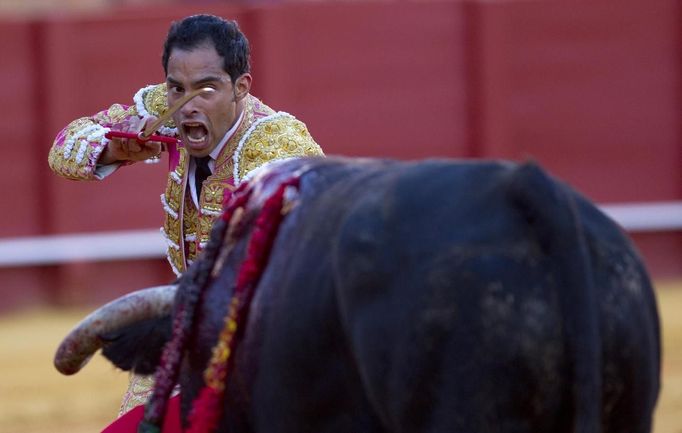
x=262, y=136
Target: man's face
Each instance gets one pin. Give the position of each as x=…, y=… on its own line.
x=203, y=121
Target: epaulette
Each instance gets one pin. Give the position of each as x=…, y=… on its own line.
x=275, y=137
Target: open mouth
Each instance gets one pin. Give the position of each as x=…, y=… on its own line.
x=196, y=133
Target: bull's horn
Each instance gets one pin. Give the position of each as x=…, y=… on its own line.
x=83, y=341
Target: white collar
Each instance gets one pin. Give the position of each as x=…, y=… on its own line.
x=211, y=163
x=215, y=152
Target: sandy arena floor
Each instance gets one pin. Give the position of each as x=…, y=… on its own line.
x=34, y=398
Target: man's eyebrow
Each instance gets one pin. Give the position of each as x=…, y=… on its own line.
x=198, y=83
x=207, y=80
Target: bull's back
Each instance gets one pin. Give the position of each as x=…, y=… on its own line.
x=434, y=296
x=629, y=324
x=465, y=291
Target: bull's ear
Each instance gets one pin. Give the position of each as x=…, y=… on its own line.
x=138, y=347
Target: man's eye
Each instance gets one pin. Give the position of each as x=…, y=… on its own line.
x=176, y=89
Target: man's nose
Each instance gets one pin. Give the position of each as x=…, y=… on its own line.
x=189, y=103
x=190, y=108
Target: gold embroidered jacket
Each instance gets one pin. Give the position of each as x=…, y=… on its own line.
x=262, y=136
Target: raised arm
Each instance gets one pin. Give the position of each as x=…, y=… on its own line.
x=81, y=149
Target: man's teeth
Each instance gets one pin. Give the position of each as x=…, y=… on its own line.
x=195, y=132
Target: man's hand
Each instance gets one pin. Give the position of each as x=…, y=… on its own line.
x=128, y=149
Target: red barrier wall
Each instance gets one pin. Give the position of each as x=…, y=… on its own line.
x=19, y=168
x=369, y=79
x=591, y=89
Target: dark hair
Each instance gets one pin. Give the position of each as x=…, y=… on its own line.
x=197, y=30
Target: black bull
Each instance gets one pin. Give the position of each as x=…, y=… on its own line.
x=435, y=297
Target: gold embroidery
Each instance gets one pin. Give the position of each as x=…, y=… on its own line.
x=171, y=227
x=192, y=250
x=283, y=137
x=173, y=195
x=73, y=166
x=272, y=128
x=182, y=162
x=76, y=126
x=76, y=158
x=156, y=102
x=139, y=390
x=177, y=259
x=60, y=165
x=205, y=224
x=212, y=196
x=190, y=216
x=115, y=114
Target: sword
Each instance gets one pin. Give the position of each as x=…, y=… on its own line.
x=148, y=133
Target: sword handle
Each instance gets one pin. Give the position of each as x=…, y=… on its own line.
x=160, y=138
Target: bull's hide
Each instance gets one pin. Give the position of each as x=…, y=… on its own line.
x=438, y=296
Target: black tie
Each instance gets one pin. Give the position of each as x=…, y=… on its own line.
x=201, y=173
